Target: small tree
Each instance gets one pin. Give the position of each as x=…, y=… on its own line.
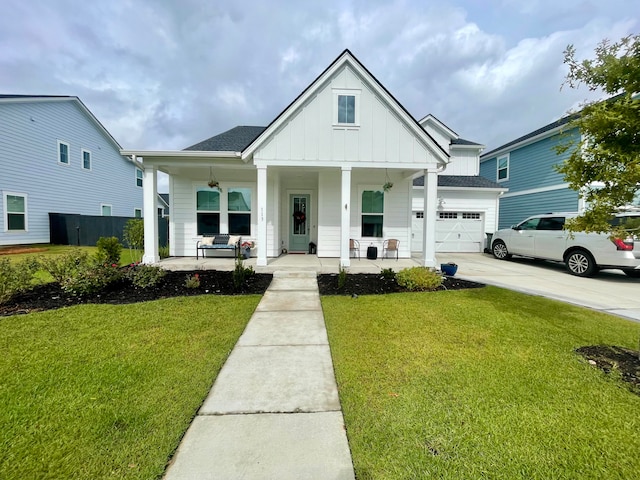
x=133, y=236
x=604, y=164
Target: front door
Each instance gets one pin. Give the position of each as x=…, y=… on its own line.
x=299, y=222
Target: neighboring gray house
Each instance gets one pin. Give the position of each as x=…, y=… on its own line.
x=55, y=156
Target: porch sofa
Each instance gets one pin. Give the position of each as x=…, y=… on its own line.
x=221, y=241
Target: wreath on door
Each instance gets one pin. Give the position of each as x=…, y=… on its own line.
x=299, y=217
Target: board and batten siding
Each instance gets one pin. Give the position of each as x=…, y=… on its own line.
x=514, y=209
x=311, y=136
x=29, y=135
x=463, y=162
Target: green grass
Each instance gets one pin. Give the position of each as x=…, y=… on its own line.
x=480, y=384
x=126, y=257
x=104, y=391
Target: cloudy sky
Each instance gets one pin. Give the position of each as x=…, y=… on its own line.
x=162, y=74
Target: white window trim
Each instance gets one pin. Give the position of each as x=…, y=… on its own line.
x=141, y=178
x=137, y=210
x=6, y=213
x=364, y=188
x=60, y=142
x=221, y=189
x=498, y=179
x=353, y=92
x=82, y=152
x=110, y=209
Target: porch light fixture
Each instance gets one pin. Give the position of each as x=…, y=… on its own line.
x=213, y=183
x=388, y=183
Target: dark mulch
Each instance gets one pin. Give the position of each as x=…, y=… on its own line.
x=610, y=358
x=375, y=283
x=51, y=296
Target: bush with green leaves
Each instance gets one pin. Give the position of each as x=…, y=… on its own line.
x=16, y=277
x=388, y=274
x=240, y=272
x=164, y=251
x=109, y=250
x=65, y=266
x=419, y=279
x=342, y=277
x=145, y=276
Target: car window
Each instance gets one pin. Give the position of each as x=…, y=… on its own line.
x=530, y=224
x=551, y=223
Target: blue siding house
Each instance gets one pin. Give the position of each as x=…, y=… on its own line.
x=55, y=156
x=525, y=167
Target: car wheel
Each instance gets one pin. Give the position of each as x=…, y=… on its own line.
x=580, y=263
x=500, y=251
x=632, y=273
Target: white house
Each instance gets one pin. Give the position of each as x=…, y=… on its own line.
x=56, y=157
x=316, y=174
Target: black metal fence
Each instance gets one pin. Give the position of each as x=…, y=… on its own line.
x=85, y=230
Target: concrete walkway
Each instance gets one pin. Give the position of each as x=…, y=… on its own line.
x=273, y=411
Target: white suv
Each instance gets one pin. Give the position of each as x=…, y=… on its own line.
x=544, y=237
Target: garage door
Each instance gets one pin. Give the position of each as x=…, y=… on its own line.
x=455, y=232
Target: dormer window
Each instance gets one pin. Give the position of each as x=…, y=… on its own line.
x=346, y=108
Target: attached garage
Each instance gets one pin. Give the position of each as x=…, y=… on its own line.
x=455, y=231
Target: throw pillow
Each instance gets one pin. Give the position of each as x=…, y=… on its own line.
x=207, y=240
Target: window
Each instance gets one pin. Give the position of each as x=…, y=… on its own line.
x=15, y=207
x=470, y=216
x=551, y=223
x=447, y=215
x=63, y=153
x=137, y=213
x=503, y=168
x=531, y=224
x=208, y=211
x=138, y=177
x=372, y=213
x=419, y=214
x=239, y=211
x=105, y=210
x=346, y=108
x=86, y=159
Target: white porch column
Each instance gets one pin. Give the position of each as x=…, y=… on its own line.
x=429, y=225
x=345, y=219
x=262, y=217
x=149, y=196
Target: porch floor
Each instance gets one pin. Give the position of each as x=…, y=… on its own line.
x=289, y=262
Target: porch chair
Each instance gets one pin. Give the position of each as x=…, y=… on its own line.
x=354, y=246
x=390, y=245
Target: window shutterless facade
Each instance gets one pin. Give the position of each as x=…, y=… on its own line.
x=15, y=216
x=372, y=213
x=503, y=168
x=105, y=210
x=86, y=159
x=137, y=212
x=139, y=176
x=346, y=108
x=239, y=211
x=63, y=153
x=208, y=211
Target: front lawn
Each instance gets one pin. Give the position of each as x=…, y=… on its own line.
x=106, y=391
x=480, y=383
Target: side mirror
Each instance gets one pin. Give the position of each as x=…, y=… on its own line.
x=514, y=227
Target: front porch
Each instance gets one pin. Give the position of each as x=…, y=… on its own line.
x=285, y=262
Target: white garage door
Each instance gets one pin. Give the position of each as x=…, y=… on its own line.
x=455, y=232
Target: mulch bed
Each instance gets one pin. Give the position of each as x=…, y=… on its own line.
x=609, y=358
x=376, y=284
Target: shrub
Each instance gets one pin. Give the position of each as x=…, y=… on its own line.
x=419, y=279
x=192, y=281
x=342, y=277
x=388, y=274
x=15, y=277
x=79, y=274
x=145, y=276
x=163, y=252
x=240, y=272
x=109, y=250
x=67, y=265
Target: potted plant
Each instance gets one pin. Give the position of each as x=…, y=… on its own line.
x=449, y=269
x=246, y=249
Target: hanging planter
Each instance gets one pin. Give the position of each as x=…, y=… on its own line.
x=213, y=183
x=388, y=183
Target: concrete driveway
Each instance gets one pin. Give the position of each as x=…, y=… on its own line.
x=610, y=291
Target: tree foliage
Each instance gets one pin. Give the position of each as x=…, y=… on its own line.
x=604, y=163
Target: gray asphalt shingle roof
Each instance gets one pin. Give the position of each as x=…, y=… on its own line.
x=234, y=140
x=464, y=181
